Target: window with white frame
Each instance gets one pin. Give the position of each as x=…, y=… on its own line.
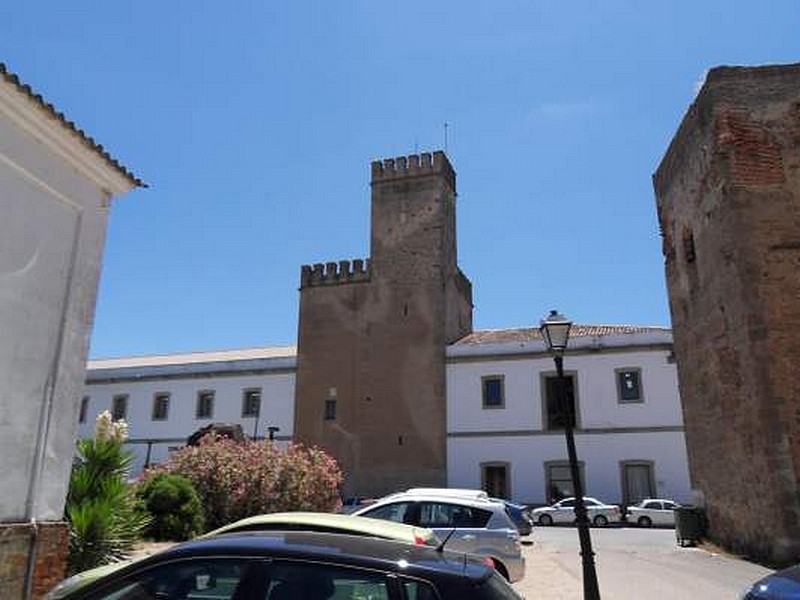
x=119, y=407
x=160, y=406
x=629, y=385
x=557, y=411
x=493, y=392
x=205, y=404
x=251, y=402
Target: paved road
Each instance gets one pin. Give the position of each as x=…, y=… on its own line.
x=631, y=564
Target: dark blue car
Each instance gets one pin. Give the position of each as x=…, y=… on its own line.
x=300, y=566
x=781, y=585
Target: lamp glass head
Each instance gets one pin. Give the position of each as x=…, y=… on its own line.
x=555, y=331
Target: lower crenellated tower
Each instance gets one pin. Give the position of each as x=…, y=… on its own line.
x=372, y=334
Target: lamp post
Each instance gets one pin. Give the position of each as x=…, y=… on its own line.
x=555, y=331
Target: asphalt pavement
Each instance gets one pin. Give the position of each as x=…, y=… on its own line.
x=631, y=563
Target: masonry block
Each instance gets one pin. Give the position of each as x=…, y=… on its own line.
x=728, y=199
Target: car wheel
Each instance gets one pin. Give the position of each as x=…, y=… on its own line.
x=545, y=520
x=600, y=521
x=644, y=522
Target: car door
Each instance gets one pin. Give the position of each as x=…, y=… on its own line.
x=565, y=511
x=464, y=524
x=667, y=514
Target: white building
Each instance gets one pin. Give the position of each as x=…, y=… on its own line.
x=56, y=186
x=502, y=423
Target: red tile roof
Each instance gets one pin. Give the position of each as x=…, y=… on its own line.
x=527, y=334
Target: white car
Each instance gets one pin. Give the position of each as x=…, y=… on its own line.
x=652, y=511
x=563, y=511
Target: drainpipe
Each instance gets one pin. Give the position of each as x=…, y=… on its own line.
x=46, y=413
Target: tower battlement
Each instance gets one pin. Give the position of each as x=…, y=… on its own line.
x=414, y=165
x=332, y=273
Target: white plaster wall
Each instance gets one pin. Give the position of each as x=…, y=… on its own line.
x=597, y=392
x=277, y=409
x=600, y=454
x=609, y=432
x=52, y=230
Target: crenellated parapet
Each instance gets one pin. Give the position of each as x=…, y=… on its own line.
x=415, y=165
x=333, y=273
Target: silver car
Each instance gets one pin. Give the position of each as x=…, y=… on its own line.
x=472, y=525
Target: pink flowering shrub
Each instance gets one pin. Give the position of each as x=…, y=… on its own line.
x=240, y=479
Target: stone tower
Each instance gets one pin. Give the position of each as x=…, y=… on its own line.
x=728, y=195
x=372, y=334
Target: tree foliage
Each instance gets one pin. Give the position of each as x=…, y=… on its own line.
x=173, y=505
x=240, y=479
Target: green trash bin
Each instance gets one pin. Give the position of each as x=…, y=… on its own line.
x=690, y=524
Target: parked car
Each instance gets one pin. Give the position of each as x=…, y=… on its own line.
x=563, y=511
x=353, y=503
x=781, y=585
x=331, y=523
x=474, y=525
x=519, y=514
x=299, y=566
x=286, y=521
x=652, y=511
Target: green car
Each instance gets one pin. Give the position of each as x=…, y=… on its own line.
x=285, y=521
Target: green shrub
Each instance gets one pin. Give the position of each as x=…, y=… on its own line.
x=240, y=479
x=101, y=508
x=173, y=505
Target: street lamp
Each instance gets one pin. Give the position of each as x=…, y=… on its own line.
x=555, y=331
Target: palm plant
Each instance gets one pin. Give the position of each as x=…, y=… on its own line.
x=101, y=508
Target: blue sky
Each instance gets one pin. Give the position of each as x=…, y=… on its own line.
x=255, y=122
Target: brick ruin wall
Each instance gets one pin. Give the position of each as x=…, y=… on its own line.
x=728, y=196
x=16, y=539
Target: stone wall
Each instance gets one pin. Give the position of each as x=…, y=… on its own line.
x=372, y=337
x=728, y=195
x=49, y=541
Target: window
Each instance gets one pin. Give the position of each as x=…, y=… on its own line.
x=443, y=514
x=493, y=392
x=84, y=409
x=190, y=578
x=399, y=512
x=494, y=477
x=330, y=409
x=420, y=590
x=251, y=403
x=205, y=404
x=160, y=406
x=119, y=407
x=290, y=580
x=638, y=481
x=629, y=385
x=556, y=414
x=558, y=479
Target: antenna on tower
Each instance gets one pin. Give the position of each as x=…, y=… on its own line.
x=445, y=137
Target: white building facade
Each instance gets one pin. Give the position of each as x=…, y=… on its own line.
x=56, y=189
x=505, y=428
x=503, y=425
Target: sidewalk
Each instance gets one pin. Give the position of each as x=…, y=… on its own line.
x=545, y=579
